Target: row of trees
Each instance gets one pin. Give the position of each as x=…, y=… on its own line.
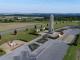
x=69, y=18
x=20, y=19
x=59, y=18
x=13, y=20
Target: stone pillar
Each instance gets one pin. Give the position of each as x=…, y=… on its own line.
x=50, y=25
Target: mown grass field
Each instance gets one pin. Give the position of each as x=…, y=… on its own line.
x=21, y=35
x=59, y=24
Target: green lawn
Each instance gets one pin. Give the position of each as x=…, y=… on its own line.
x=59, y=24
x=71, y=53
x=2, y=52
x=23, y=35
x=27, y=37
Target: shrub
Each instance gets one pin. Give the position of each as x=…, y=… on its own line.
x=41, y=29
x=33, y=32
x=47, y=24
x=35, y=27
x=0, y=36
x=56, y=22
x=46, y=28
x=76, y=40
x=53, y=37
x=41, y=26
x=15, y=32
x=2, y=52
x=26, y=29
x=23, y=40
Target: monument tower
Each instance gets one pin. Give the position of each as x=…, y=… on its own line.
x=51, y=24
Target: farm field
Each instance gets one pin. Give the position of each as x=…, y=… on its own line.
x=8, y=26
x=57, y=24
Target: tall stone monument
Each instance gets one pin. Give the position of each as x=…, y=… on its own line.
x=50, y=25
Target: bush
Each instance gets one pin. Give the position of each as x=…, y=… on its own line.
x=33, y=32
x=2, y=52
x=41, y=26
x=0, y=36
x=26, y=29
x=23, y=40
x=35, y=27
x=53, y=37
x=15, y=32
x=46, y=28
x=41, y=29
x=47, y=25
x=76, y=40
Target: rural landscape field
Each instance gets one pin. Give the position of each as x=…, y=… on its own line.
x=39, y=29
x=8, y=26
x=26, y=31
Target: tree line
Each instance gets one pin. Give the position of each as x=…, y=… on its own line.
x=56, y=18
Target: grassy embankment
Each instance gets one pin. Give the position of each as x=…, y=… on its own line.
x=71, y=53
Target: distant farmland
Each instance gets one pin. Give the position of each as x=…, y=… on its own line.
x=8, y=26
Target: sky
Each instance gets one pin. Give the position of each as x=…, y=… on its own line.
x=39, y=6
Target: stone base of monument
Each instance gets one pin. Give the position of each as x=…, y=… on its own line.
x=55, y=35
